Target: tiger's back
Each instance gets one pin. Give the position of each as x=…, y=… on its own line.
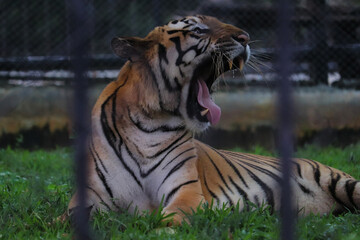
x=233, y=177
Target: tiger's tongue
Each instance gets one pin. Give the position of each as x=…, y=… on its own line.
x=206, y=102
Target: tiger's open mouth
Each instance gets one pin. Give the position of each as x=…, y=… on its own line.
x=200, y=104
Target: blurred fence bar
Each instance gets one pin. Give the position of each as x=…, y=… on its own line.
x=80, y=38
x=76, y=34
x=285, y=116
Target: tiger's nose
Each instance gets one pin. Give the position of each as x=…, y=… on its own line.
x=243, y=38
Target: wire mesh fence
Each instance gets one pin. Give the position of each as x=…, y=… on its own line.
x=38, y=37
x=35, y=34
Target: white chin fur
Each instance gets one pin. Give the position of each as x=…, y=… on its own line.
x=196, y=126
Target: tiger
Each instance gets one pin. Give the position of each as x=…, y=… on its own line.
x=142, y=153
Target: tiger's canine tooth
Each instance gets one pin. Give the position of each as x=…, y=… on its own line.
x=204, y=112
x=230, y=64
x=241, y=64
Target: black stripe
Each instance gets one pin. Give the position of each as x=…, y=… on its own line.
x=178, y=85
x=316, y=170
x=166, y=80
x=154, y=144
x=168, y=147
x=269, y=195
x=172, y=193
x=219, y=172
x=212, y=194
x=239, y=189
x=97, y=155
x=194, y=36
x=107, y=130
x=263, y=170
x=162, y=53
x=232, y=166
x=145, y=174
x=112, y=144
x=305, y=189
x=173, y=31
x=101, y=176
x=298, y=169
x=162, y=128
x=227, y=196
x=317, y=174
x=176, y=168
x=207, y=45
x=181, y=53
x=266, y=161
x=132, y=155
x=113, y=118
x=187, y=26
x=350, y=187
x=187, y=150
x=161, y=103
x=101, y=200
x=332, y=188
x=110, y=136
x=181, y=72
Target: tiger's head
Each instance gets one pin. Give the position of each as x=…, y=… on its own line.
x=184, y=59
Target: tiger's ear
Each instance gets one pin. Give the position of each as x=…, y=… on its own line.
x=132, y=48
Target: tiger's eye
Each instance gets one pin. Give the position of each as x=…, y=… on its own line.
x=198, y=30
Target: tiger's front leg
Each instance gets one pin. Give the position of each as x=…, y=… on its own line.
x=180, y=189
x=189, y=198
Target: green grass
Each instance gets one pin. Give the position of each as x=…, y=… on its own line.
x=36, y=186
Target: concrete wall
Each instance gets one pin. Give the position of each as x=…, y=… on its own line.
x=243, y=110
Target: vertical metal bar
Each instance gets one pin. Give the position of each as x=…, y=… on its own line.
x=80, y=37
x=285, y=116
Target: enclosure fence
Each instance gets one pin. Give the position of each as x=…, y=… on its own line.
x=40, y=37
x=35, y=35
x=80, y=37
